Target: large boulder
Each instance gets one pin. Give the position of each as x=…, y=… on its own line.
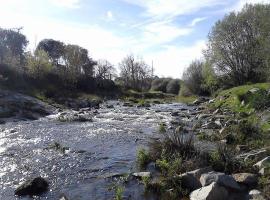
x=210, y=192
x=220, y=178
x=190, y=182
x=247, y=179
x=32, y=187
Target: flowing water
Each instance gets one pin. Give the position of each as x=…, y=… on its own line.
x=97, y=150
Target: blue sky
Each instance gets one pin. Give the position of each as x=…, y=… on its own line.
x=171, y=33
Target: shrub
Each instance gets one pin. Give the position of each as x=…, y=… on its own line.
x=119, y=193
x=162, y=127
x=224, y=160
x=193, y=77
x=160, y=84
x=173, y=86
x=143, y=158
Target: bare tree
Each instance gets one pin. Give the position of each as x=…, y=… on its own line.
x=135, y=74
x=105, y=70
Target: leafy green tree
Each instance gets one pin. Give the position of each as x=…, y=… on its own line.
x=210, y=82
x=77, y=63
x=239, y=45
x=12, y=47
x=39, y=64
x=193, y=77
x=55, y=49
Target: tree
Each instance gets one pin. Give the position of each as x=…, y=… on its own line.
x=55, y=49
x=12, y=47
x=39, y=64
x=193, y=77
x=239, y=45
x=77, y=63
x=105, y=70
x=135, y=74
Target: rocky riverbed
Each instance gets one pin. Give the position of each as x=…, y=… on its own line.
x=80, y=153
x=89, y=153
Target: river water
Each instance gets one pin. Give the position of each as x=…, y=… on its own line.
x=97, y=150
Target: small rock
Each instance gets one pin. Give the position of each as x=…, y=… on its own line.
x=198, y=172
x=255, y=195
x=210, y=192
x=246, y=178
x=142, y=174
x=254, y=90
x=32, y=187
x=263, y=163
x=175, y=114
x=211, y=101
x=110, y=106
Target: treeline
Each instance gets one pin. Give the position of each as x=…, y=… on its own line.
x=237, y=53
x=53, y=66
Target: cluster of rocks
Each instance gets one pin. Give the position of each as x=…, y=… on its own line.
x=216, y=185
x=82, y=115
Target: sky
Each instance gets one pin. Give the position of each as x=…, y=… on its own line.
x=168, y=33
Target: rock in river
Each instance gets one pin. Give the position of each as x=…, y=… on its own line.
x=32, y=187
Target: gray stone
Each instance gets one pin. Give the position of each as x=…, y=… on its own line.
x=222, y=179
x=210, y=192
x=142, y=174
x=32, y=187
x=175, y=114
x=198, y=172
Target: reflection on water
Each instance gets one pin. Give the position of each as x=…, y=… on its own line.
x=97, y=150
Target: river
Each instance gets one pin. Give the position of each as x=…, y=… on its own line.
x=97, y=150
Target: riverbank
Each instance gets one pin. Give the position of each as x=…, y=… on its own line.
x=219, y=152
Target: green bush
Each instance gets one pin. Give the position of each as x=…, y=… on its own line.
x=143, y=158
x=173, y=86
x=160, y=84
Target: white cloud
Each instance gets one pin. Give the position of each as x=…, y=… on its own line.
x=160, y=33
x=66, y=3
x=197, y=20
x=173, y=60
x=172, y=8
